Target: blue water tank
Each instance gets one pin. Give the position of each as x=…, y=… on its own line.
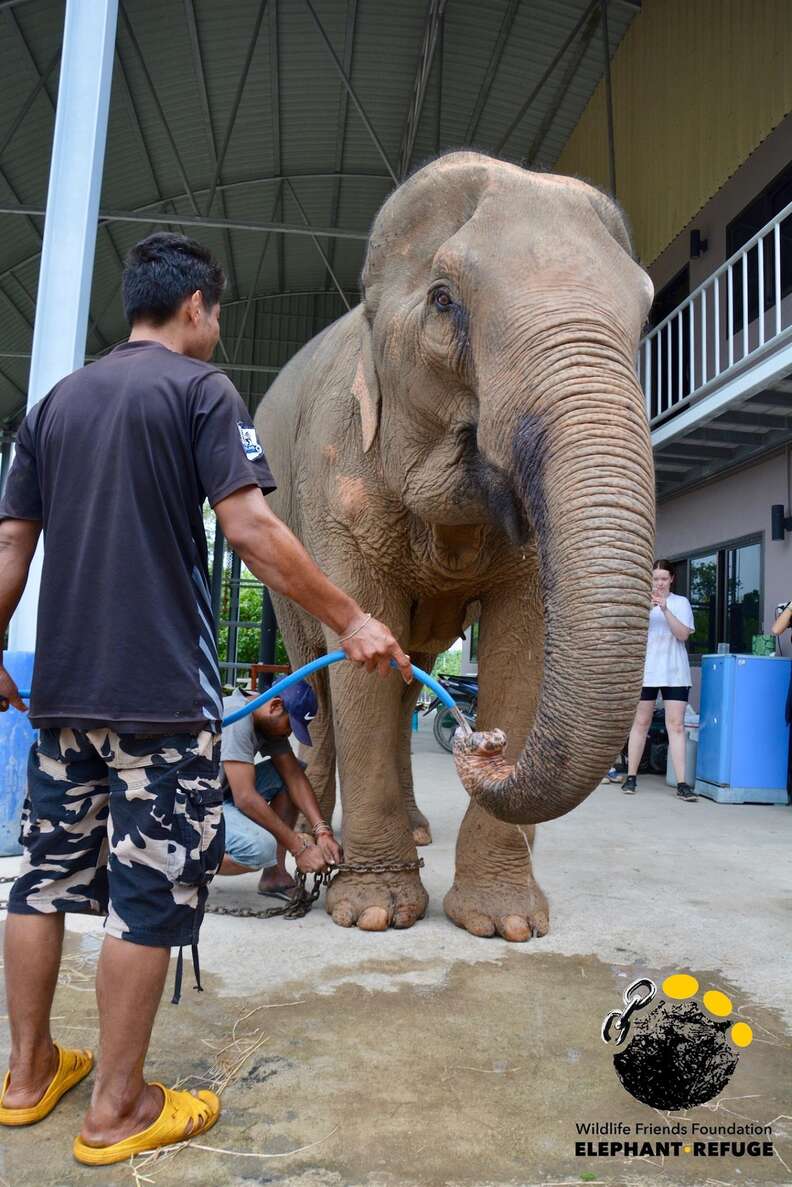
x=743, y=732
x=16, y=737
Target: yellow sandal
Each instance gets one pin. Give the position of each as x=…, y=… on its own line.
x=178, y=1110
x=73, y=1066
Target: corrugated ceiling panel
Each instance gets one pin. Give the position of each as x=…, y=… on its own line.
x=142, y=169
x=696, y=88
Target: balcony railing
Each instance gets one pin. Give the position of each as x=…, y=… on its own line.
x=734, y=318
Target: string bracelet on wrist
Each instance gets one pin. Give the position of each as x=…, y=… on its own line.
x=357, y=630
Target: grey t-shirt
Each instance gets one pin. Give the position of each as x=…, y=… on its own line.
x=116, y=463
x=241, y=741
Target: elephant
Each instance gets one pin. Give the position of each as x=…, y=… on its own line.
x=471, y=438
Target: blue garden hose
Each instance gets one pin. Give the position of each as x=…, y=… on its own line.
x=324, y=662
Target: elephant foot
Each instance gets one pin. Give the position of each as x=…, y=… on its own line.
x=517, y=913
x=421, y=831
x=376, y=902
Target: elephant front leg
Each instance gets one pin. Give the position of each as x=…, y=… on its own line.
x=376, y=828
x=494, y=890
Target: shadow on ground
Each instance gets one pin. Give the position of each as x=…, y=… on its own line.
x=476, y=1080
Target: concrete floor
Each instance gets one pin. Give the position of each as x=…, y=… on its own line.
x=430, y=1057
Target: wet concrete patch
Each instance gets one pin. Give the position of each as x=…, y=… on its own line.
x=406, y=1074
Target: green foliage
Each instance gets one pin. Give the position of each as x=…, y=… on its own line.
x=588, y=1177
x=248, y=639
x=449, y=663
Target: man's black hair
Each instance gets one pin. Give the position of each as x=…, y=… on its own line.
x=161, y=271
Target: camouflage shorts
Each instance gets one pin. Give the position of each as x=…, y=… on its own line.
x=124, y=825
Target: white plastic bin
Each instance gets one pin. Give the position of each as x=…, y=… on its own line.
x=691, y=750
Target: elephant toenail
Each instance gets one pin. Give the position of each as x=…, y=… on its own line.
x=373, y=919
x=514, y=928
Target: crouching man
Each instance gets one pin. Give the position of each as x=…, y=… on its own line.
x=262, y=799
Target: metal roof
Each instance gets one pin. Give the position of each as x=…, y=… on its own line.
x=297, y=113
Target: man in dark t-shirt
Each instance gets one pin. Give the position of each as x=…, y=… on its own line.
x=123, y=815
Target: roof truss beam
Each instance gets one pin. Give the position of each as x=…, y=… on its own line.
x=560, y=94
x=434, y=20
x=133, y=41
x=492, y=69
x=318, y=245
x=34, y=93
x=350, y=91
x=547, y=73
x=190, y=220
x=200, y=82
x=237, y=101
x=343, y=113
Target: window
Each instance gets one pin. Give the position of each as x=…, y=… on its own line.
x=756, y=215
x=474, y=637
x=703, y=598
x=724, y=588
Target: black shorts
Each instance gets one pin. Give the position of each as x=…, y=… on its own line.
x=676, y=692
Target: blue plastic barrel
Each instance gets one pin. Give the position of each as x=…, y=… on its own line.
x=16, y=738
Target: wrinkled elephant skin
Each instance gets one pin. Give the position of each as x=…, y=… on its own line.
x=469, y=440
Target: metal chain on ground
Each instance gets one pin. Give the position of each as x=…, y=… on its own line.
x=302, y=899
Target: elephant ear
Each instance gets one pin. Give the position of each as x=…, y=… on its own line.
x=366, y=388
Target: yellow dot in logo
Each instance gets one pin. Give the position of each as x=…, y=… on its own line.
x=717, y=1003
x=741, y=1034
x=687, y=1149
x=680, y=985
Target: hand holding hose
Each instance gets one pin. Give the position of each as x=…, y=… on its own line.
x=369, y=644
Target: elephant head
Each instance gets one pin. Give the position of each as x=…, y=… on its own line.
x=501, y=316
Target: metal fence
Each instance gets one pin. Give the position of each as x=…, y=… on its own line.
x=242, y=641
x=734, y=318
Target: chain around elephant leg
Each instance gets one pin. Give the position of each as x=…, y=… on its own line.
x=377, y=901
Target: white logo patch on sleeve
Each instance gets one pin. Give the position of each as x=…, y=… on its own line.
x=249, y=441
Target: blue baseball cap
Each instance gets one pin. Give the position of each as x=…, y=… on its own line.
x=299, y=700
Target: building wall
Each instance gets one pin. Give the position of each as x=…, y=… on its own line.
x=726, y=509
x=762, y=166
x=696, y=87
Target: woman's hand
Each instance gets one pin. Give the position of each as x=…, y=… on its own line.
x=784, y=620
x=660, y=600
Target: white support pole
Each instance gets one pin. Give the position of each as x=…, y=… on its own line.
x=67, y=255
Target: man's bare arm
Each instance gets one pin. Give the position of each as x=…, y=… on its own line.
x=299, y=788
x=278, y=559
x=18, y=539
x=241, y=778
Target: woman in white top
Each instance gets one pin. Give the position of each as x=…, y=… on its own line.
x=666, y=671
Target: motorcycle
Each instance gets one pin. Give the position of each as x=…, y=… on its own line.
x=464, y=690
x=655, y=753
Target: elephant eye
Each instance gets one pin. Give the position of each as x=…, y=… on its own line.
x=442, y=299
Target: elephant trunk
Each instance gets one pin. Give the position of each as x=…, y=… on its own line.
x=583, y=471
